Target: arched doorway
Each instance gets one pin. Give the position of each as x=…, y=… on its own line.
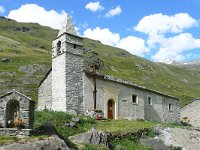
x=111, y=109
x=12, y=113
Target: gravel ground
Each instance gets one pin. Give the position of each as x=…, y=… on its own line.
x=188, y=139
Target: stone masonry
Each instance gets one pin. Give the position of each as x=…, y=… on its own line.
x=192, y=111
x=67, y=71
x=26, y=109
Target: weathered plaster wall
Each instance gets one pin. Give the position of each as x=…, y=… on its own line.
x=192, y=111
x=158, y=110
x=124, y=106
x=170, y=115
x=121, y=94
x=45, y=93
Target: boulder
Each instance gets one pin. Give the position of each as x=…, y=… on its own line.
x=91, y=137
x=4, y=59
x=51, y=143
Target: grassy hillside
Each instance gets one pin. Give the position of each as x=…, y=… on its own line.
x=27, y=49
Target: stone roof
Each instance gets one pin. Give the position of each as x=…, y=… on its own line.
x=13, y=92
x=113, y=79
x=67, y=26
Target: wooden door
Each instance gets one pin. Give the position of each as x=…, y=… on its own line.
x=110, y=109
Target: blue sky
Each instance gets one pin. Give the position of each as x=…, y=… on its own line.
x=159, y=30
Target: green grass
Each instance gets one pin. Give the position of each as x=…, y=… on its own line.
x=123, y=126
x=128, y=143
x=7, y=139
x=58, y=119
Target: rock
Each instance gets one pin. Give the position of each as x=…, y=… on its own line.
x=5, y=60
x=52, y=143
x=91, y=137
x=76, y=119
x=70, y=124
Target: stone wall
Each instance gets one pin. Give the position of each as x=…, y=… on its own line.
x=26, y=108
x=45, y=93
x=67, y=74
x=59, y=83
x=74, y=83
x=192, y=111
x=22, y=133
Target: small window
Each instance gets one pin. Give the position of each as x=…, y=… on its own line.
x=149, y=101
x=74, y=46
x=58, y=47
x=134, y=99
x=170, y=107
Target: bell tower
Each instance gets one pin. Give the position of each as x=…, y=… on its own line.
x=67, y=70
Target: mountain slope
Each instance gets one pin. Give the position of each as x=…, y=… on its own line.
x=25, y=56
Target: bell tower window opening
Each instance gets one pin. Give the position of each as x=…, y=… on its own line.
x=58, y=48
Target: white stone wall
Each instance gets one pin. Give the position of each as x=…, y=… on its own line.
x=59, y=83
x=45, y=93
x=192, y=111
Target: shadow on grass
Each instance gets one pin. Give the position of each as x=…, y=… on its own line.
x=49, y=129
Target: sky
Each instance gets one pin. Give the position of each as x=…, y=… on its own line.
x=159, y=30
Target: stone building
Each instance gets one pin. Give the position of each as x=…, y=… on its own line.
x=16, y=106
x=191, y=111
x=69, y=87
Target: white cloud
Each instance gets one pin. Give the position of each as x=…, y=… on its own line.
x=134, y=45
x=37, y=14
x=94, y=6
x=172, y=48
x=113, y=12
x=2, y=10
x=103, y=35
x=160, y=24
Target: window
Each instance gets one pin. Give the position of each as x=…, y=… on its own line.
x=134, y=99
x=58, y=47
x=170, y=107
x=149, y=101
x=74, y=46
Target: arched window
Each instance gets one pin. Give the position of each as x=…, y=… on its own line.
x=12, y=112
x=58, y=47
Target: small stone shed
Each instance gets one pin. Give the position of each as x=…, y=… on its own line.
x=16, y=106
x=192, y=112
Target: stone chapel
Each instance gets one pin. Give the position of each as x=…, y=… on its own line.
x=68, y=87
